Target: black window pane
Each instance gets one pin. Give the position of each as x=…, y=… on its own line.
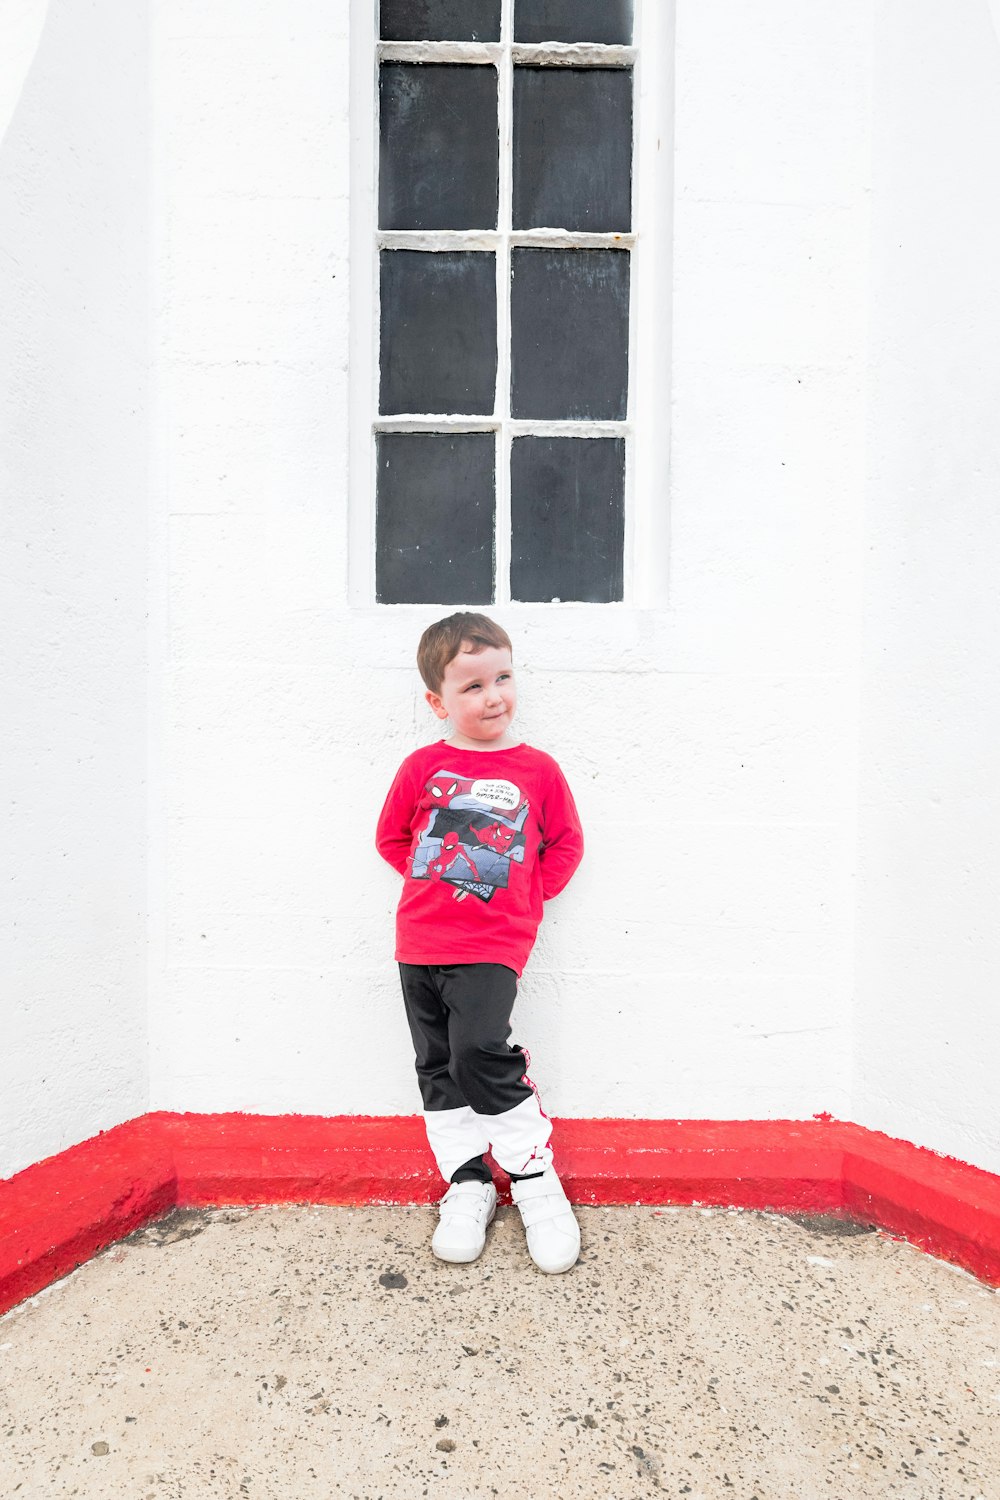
x=567, y=519
x=608, y=21
x=439, y=20
x=434, y=518
x=569, y=334
x=438, y=332
x=573, y=148
x=438, y=146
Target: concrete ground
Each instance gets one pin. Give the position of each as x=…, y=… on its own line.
x=303, y=1351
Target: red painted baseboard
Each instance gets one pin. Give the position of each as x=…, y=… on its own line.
x=56, y=1214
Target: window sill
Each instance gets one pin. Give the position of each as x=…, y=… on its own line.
x=563, y=637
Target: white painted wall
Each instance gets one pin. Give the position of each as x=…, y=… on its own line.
x=73, y=461
x=832, y=236
x=928, y=1023
x=264, y=928
x=700, y=964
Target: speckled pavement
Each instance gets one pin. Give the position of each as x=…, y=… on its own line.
x=302, y=1351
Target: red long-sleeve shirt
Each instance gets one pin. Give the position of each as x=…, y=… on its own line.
x=481, y=839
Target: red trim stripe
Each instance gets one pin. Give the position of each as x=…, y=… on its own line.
x=56, y=1214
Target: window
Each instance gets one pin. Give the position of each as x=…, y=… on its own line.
x=501, y=437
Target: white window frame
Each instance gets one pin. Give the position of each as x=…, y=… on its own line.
x=646, y=428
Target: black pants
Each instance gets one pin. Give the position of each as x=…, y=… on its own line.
x=473, y=1083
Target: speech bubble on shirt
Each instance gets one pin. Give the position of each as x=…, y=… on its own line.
x=497, y=794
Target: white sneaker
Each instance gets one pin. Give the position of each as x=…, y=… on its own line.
x=465, y=1209
x=553, y=1233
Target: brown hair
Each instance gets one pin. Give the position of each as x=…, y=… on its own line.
x=442, y=641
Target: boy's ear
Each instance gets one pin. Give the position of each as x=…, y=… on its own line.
x=437, y=706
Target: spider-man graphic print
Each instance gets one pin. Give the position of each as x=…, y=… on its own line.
x=474, y=832
x=481, y=840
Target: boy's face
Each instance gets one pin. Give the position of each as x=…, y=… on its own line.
x=478, y=696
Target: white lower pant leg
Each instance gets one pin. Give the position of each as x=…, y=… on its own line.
x=455, y=1137
x=519, y=1137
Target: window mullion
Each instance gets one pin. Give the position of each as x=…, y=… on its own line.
x=505, y=92
x=483, y=53
x=437, y=239
x=573, y=55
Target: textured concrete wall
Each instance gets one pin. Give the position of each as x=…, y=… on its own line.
x=73, y=462
x=264, y=735
x=928, y=1026
x=699, y=965
x=703, y=962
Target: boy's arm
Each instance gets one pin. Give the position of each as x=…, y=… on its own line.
x=562, y=837
x=394, y=833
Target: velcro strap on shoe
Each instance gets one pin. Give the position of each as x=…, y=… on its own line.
x=466, y=1204
x=544, y=1209
x=539, y=1200
x=545, y=1185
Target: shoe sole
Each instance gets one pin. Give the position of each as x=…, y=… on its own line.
x=558, y=1270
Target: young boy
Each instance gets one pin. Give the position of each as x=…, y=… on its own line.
x=482, y=828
